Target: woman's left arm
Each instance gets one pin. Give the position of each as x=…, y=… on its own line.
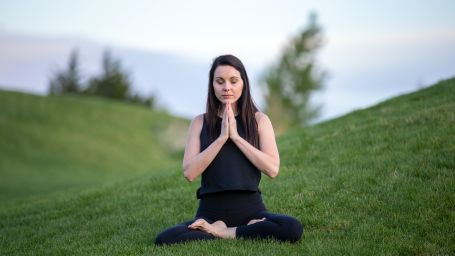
x=266, y=158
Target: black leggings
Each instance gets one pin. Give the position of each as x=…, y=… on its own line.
x=236, y=209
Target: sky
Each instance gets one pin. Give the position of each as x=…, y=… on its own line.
x=373, y=49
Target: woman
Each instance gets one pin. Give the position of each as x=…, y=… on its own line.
x=230, y=145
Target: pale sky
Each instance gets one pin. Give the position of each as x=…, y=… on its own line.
x=374, y=49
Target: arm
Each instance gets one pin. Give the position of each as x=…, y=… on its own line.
x=266, y=158
x=194, y=161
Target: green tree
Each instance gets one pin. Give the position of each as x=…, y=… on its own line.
x=290, y=82
x=148, y=101
x=69, y=80
x=114, y=82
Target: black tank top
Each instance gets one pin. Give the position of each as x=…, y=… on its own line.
x=230, y=169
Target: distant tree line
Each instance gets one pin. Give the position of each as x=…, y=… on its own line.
x=113, y=81
x=289, y=82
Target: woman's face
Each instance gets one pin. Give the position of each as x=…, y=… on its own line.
x=227, y=84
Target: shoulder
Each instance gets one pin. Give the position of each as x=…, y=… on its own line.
x=195, y=129
x=261, y=117
x=198, y=121
x=263, y=120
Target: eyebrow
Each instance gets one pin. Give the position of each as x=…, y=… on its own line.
x=229, y=77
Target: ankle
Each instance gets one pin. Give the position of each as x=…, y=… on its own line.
x=229, y=233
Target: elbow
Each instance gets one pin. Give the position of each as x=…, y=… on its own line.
x=273, y=173
x=190, y=178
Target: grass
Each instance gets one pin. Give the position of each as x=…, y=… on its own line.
x=378, y=181
x=60, y=143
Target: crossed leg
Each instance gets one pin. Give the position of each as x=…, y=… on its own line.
x=262, y=225
x=277, y=226
x=181, y=233
x=218, y=228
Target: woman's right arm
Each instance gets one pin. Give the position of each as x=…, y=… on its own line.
x=194, y=161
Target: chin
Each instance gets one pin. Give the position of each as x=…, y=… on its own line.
x=225, y=101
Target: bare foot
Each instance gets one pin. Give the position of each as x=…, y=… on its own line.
x=218, y=228
x=255, y=221
x=220, y=224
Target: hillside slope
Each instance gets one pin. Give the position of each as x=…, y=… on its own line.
x=383, y=176
x=379, y=181
x=56, y=143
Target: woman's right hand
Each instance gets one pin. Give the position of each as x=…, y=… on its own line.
x=224, y=135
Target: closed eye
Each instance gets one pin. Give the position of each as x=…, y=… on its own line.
x=234, y=80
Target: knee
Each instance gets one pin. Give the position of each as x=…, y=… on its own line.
x=168, y=236
x=294, y=230
x=161, y=239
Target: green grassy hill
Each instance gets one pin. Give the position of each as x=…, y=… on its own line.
x=376, y=181
x=55, y=143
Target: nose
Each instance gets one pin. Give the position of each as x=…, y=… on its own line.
x=226, y=86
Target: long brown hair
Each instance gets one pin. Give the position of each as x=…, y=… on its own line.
x=245, y=104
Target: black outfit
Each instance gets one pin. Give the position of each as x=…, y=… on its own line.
x=230, y=169
x=229, y=192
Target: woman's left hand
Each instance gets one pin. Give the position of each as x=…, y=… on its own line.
x=232, y=123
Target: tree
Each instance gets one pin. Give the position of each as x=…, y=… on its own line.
x=148, y=101
x=67, y=81
x=290, y=82
x=113, y=82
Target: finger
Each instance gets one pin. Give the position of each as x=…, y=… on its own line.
x=226, y=113
x=230, y=112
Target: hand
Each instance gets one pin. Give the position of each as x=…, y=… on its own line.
x=224, y=135
x=232, y=122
